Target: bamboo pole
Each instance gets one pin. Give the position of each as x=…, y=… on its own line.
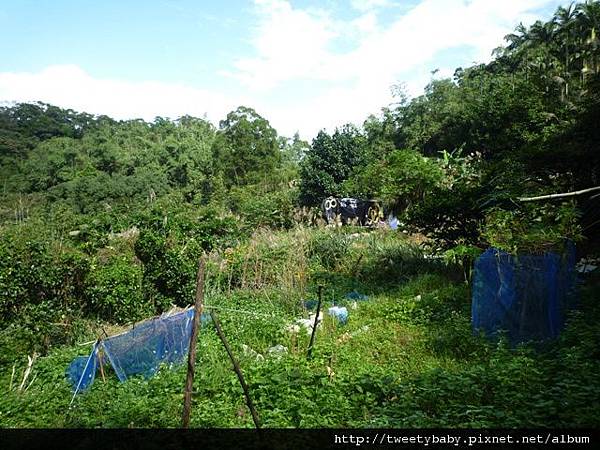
x=31, y=359
x=563, y=195
x=238, y=370
x=12, y=377
x=198, y=308
x=31, y=382
x=314, y=330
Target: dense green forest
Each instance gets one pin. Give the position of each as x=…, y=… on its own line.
x=102, y=223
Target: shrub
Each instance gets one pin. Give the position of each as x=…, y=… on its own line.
x=115, y=291
x=329, y=248
x=274, y=209
x=33, y=271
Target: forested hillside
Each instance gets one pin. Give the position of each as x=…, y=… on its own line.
x=102, y=222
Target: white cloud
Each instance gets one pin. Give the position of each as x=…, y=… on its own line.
x=299, y=44
x=368, y=5
x=71, y=87
x=293, y=43
x=289, y=43
x=302, y=45
x=366, y=24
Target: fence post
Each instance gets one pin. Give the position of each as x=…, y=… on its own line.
x=198, y=308
x=314, y=330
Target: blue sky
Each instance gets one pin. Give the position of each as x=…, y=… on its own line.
x=304, y=65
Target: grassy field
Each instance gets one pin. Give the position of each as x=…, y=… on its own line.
x=406, y=357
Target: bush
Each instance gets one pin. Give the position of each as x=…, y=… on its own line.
x=115, y=291
x=329, y=248
x=35, y=271
x=208, y=226
x=273, y=209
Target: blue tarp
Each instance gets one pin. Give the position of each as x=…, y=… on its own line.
x=139, y=351
x=527, y=297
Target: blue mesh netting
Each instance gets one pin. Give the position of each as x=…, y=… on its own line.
x=82, y=370
x=139, y=351
x=142, y=349
x=526, y=296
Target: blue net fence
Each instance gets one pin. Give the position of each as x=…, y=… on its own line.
x=526, y=297
x=139, y=351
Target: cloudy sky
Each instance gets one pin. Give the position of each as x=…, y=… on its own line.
x=304, y=65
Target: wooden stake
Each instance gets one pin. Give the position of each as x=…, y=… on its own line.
x=238, y=370
x=314, y=330
x=198, y=308
x=100, y=355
